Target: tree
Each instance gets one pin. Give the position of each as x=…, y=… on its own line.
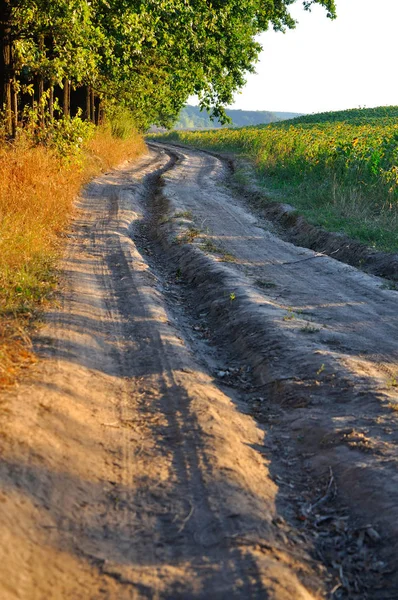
x=146, y=55
x=6, y=63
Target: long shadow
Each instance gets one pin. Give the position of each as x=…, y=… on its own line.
x=336, y=399
x=207, y=540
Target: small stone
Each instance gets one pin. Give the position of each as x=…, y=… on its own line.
x=221, y=374
x=372, y=533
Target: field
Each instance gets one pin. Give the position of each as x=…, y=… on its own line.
x=339, y=169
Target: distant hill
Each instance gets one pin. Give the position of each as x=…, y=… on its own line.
x=191, y=117
x=354, y=116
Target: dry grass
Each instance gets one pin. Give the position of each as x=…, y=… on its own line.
x=37, y=190
x=104, y=151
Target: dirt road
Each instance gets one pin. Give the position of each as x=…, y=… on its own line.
x=213, y=414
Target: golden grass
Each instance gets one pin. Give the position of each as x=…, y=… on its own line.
x=37, y=191
x=106, y=151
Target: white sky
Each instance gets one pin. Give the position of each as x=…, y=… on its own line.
x=328, y=65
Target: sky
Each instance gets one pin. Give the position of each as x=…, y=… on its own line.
x=327, y=65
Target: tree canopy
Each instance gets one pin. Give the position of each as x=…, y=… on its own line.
x=147, y=55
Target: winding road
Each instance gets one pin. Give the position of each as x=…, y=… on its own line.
x=201, y=387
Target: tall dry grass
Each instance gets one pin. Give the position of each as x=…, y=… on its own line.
x=37, y=191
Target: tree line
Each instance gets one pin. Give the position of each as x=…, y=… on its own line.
x=70, y=57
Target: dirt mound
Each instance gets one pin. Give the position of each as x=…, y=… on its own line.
x=339, y=246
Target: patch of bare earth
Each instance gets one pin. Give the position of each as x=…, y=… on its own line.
x=320, y=338
x=127, y=470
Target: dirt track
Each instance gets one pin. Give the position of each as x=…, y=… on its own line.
x=133, y=466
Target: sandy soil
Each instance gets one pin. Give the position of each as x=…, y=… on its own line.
x=193, y=423
x=320, y=336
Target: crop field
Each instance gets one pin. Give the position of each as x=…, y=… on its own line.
x=339, y=169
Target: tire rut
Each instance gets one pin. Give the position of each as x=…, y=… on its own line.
x=180, y=430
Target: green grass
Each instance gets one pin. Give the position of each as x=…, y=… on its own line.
x=340, y=170
x=358, y=116
x=209, y=246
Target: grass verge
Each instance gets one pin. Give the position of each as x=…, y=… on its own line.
x=37, y=190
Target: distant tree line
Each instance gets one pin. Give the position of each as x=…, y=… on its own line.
x=69, y=57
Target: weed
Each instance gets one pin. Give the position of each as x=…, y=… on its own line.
x=186, y=214
x=37, y=190
x=321, y=369
x=121, y=122
x=232, y=296
x=188, y=236
x=389, y=285
x=290, y=315
x=210, y=246
x=241, y=176
x=308, y=328
x=227, y=257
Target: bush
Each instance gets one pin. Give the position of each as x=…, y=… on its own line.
x=121, y=122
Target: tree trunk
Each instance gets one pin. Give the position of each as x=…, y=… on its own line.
x=6, y=64
x=40, y=86
x=66, y=98
x=87, y=103
x=51, y=102
x=92, y=105
x=98, y=111
x=48, y=43
x=38, y=95
x=14, y=109
x=41, y=92
x=101, y=116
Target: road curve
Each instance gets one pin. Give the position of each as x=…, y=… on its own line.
x=320, y=336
